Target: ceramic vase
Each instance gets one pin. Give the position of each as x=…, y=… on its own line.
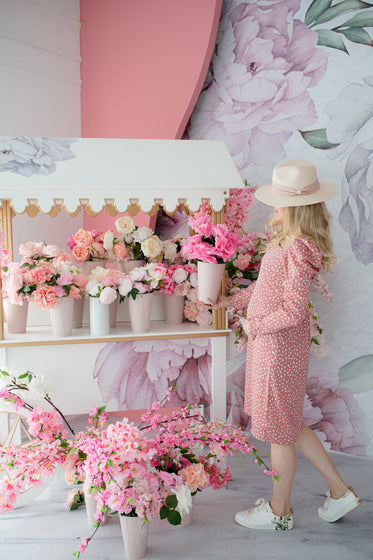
x=99, y=317
x=78, y=311
x=135, y=536
x=209, y=280
x=16, y=316
x=140, y=312
x=62, y=317
x=113, y=310
x=174, y=309
x=187, y=518
x=91, y=506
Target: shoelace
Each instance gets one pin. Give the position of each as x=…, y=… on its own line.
x=260, y=506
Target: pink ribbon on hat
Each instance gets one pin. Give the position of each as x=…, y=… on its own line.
x=288, y=191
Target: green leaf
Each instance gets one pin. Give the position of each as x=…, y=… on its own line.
x=332, y=39
x=171, y=501
x=340, y=8
x=316, y=8
x=163, y=512
x=174, y=517
x=363, y=19
x=317, y=139
x=23, y=375
x=357, y=35
x=357, y=375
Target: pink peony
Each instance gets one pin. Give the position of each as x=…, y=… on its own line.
x=74, y=292
x=108, y=295
x=83, y=238
x=125, y=286
x=195, y=476
x=79, y=280
x=138, y=274
x=31, y=249
x=80, y=253
x=257, y=92
x=59, y=291
x=65, y=279
x=120, y=251
x=141, y=287
x=45, y=297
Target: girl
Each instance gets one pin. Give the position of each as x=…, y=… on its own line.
x=278, y=330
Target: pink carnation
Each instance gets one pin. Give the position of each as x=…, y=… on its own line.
x=45, y=297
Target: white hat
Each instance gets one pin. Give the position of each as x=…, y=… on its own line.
x=295, y=183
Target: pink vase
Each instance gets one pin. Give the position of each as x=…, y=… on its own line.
x=16, y=316
x=140, y=312
x=113, y=310
x=78, y=311
x=135, y=536
x=62, y=317
x=209, y=280
x=174, y=309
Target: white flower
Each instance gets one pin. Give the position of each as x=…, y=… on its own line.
x=128, y=238
x=194, y=279
x=152, y=247
x=51, y=251
x=138, y=274
x=125, y=224
x=169, y=250
x=108, y=295
x=125, y=286
x=142, y=233
x=97, y=273
x=184, y=499
x=92, y=288
x=108, y=240
x=156, y=271
x=179, y=275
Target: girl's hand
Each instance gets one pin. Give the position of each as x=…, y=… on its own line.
x=250, y=335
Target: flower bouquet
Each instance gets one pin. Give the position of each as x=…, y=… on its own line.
x=172, y=249
x=96, y=245
x=141, y=242
x=178, y=283
x=102, y=288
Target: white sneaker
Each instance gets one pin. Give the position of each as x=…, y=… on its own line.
x=333, y=509
x=262, y=517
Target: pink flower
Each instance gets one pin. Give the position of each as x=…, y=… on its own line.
x=125, y=286
x=79, y=280
x=120, y=251
x=195, y=476
x=74, y=292
x=138, y=274
x=45, y=297
x=31, y=249
x=83, y=238
x=108, y=295
x=60, y=291
x=65, y=279
x=141, y=287
x=80, y=253
x=71, y=242
x=257, y=93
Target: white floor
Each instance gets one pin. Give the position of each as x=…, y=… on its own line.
x=44, y=529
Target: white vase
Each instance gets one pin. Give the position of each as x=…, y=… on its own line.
x=62, y=317
x=209, y=280
x=91, y=506
x=187, y=518
x=140, y=311
x=127, y=266
x=113, y=310
x=78, y=311
x=174, y=309
x=135, y=536
x=99, y=317
x=16, y=316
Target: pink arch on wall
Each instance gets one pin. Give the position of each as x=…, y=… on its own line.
x=143, y=64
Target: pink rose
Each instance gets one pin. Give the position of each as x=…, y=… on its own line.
x=80, y=253
x=98, y=249
x=83, y=238
x=108, y=295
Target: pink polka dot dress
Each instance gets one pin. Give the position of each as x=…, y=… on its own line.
x=277, y=359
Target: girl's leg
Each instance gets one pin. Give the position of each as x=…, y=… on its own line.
x=284, y=462
x=311, y=447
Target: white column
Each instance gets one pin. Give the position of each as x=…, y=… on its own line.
x=218, y=378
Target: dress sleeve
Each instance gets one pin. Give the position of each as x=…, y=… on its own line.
x=242, y=298
x=303, y=265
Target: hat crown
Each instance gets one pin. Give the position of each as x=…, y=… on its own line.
x=294, y=174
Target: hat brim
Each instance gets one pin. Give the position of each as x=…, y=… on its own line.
x=267, y=195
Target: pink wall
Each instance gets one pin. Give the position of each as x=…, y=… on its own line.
x=143, y=64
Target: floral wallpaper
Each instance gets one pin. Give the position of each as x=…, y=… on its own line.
x=287, y=80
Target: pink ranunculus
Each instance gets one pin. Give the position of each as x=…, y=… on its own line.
x=120, y=251
x=65, y=279
x=45, y=297
x=108, y=295
x=257, y=92
x=83, y=238
x=80, y=253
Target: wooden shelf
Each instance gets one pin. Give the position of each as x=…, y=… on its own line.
x=160, y=330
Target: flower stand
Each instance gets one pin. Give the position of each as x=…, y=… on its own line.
x=16, y=316
x=62, y=317
x=140, y=312
x=99, y=314
x=209, y=280
x=135, y=536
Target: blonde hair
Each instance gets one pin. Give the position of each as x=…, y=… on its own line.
x=311, y=221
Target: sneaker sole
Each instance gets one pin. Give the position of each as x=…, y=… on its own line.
x=349, y=507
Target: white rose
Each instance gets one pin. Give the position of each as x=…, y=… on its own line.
x=169, y=250
x=125, y=224
x=108, y=240
x=51, y=251
x=142, y=233
x=194, y=279
x=179, y=275
x=125, y=286
x=92, y=288
x=152, y=247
